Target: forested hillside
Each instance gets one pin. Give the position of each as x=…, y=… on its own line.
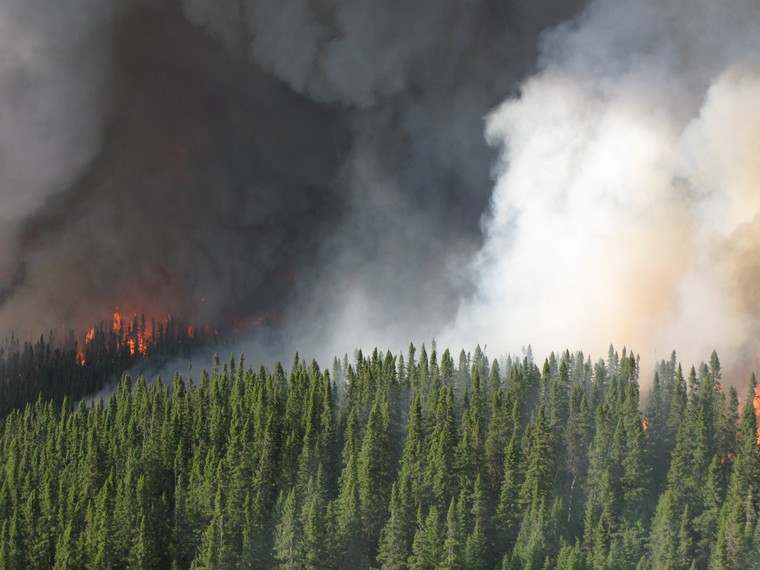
x=390, y=462
x=55, y=367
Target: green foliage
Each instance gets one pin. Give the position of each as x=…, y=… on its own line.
x=427, y=547
x=390, y=464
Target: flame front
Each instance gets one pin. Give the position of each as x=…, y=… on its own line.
x=137, y=336
x=130, y=334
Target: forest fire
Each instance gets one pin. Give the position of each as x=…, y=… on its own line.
x=136, y=335
x=130, y=333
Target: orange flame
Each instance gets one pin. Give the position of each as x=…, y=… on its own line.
x=87, y=341
x=137, y=336
x=116, y=320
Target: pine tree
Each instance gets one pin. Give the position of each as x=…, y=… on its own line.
x=664, y=537
x=412, y=461
x=394, y=548
x=427, y=547
x=636, y=480
x=214, y=550
x=373, y=471
x=102, y=553
x=738, y=516
x=478, y=548
x=533, y=541
x=570, y=557
x=727, y=441
x=313, y=521
x=508, y=512
x=540, y=461
x=350, y=545
x=439, y=478
x=657, y=432
x=468, y=455
x=706, y=524
x=452, y=547
x=287, y=544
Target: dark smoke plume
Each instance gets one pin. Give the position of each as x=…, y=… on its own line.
x=319, y=163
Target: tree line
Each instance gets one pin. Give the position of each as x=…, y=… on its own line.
x=55, y=367
x=390, y=462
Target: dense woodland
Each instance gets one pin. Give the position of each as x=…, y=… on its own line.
x=390, y=462
x=54, y=367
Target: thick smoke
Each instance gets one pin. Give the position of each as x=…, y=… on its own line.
x=319, y=163
x=627, y=205
x=322, y=164
x=51, y=77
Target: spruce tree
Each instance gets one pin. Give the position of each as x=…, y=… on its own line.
x=287, y=537
x=427, y=547
x=393, y=552
x=453, y=545
x=373, y=474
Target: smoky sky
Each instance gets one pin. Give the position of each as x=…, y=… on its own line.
x=363, y=172
x=627, y=191
x=322, y=163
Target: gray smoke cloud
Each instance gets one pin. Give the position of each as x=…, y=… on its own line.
x=321, y=163
x=367, y=173
x=627, y=202
x=51, y=77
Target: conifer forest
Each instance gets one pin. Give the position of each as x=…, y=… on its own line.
x=417, y=460
x=193, y=190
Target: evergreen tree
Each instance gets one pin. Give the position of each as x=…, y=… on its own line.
x=427, y=547
x=452, y=547
x=508, y=508
x=313, y=517
x=734, y=543
x=540, y=461
x=287, y=545
x=439, y=476
x=373, y=472
x=393, y=552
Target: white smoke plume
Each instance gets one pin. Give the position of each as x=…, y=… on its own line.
x=627, y=201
